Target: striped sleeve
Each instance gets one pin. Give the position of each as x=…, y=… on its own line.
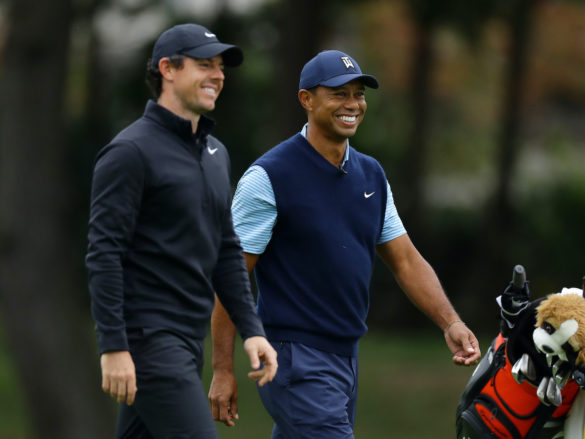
x=254, y=210
x=393, y=227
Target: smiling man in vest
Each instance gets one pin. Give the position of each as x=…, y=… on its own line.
x=311, y=214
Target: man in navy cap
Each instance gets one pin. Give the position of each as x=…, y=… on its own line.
x=161, y=241
x=311, y=214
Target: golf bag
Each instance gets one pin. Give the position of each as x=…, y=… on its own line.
x=513, y=393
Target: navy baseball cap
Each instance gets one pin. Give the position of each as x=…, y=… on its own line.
x=194, y=41
x=332, y=68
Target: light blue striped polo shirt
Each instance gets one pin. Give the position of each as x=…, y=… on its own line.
x=254, y=210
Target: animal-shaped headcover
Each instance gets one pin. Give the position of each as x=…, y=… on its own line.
x=560, y=326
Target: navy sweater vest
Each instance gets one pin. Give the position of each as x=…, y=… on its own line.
x=313, y=278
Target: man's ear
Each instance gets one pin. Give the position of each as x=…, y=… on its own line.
x=306, y=99
x=165, y=68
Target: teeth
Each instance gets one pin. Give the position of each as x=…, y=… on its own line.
x=348, y=118
x=209, y=90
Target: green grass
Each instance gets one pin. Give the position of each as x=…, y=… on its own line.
x=13, y=420
x=408, y=388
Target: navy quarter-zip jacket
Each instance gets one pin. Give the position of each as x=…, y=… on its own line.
x=161, y=238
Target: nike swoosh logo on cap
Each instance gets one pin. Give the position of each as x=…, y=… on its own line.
x=209, y=35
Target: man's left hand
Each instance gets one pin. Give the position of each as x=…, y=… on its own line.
x=260, y=352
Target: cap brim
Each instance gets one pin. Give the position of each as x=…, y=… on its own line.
x=232, y=55
x=339, y=80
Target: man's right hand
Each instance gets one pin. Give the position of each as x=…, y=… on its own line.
x=223, y=397
x=119, y=376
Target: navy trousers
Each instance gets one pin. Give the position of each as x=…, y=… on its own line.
x=171, y=402
x=314, y=393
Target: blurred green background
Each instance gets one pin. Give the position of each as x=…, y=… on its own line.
x=478, y=124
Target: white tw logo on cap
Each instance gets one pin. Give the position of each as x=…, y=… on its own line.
x=347, y=62
x=209, y=35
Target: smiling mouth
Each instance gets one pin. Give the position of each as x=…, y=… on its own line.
x=348, y=119
x=210, y=91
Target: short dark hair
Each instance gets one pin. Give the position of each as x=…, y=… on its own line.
x=154, y=78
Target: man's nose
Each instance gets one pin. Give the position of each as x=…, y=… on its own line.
x=218, y=73
x=352, y=102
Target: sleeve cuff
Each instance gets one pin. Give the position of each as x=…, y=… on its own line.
x=113, y=341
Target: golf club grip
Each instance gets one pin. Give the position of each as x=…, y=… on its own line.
x=519, y=276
